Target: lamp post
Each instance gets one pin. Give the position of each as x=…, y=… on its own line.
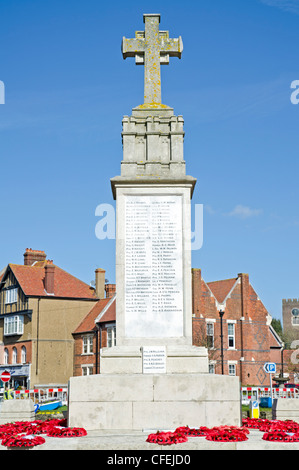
x=221, y=313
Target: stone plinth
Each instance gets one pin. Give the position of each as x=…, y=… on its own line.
x=165, y=401
x=16, y=410
x=179, y=360
x=286, y=408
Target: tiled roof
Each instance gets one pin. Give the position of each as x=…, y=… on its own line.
x=88, y=323
x=221, y=289
x=31, y=280
x=110, y=314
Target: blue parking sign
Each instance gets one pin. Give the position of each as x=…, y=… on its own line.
x=270, y=367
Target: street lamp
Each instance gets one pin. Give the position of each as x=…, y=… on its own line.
x=221, y=313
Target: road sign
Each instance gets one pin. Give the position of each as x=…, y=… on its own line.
x=270, y=367
x=5, y=376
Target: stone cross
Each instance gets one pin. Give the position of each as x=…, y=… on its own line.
x=152, y=48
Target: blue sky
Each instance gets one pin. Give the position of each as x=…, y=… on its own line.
x=67, y=88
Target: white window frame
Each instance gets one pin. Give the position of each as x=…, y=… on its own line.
x=14, y=355
x=212, y=367
x=13, y=325
x=232, y=368
x=210, y=334
x=6, y=356
x=87, y=344
x=23, y=355
x=111, y=336
x=295, y=320
x=11, y=296
x=231, y=336
x=87, y=369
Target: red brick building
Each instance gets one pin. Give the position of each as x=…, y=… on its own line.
x=40, y=305
x=96, y=331
x=248, y=339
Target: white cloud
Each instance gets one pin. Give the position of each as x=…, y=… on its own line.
x=287, y=5
x=209, y=209
x=244, y=212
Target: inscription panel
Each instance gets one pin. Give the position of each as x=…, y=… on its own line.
x=154, y=360
x=153, y=266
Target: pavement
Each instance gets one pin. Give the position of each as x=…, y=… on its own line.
x=135, y=441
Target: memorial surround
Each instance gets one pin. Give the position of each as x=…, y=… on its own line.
x=154, y=377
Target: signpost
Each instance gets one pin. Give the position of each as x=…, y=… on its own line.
x=270, y=368
x=5, y=376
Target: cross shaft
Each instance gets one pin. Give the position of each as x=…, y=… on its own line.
x=151, y=48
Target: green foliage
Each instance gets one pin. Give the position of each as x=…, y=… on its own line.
x=276, y=325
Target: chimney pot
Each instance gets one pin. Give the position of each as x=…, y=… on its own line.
x=110, y=290
x=31, y=256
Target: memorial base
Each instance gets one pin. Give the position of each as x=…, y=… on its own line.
x=144, y=402
x=179, y=359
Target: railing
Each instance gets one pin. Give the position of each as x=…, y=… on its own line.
x=254, y=393
x=38, y=395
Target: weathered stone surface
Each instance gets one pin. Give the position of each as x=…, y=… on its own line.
x=138, y=401
x=152, y=48
x=16, y=410
x=286, y=408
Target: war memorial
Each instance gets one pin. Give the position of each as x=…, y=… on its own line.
x=154, y=378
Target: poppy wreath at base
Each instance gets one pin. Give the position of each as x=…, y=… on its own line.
x=166, y=438
x=227, y=435
x=229, y=429
x=22, y=440
x=281, y=426
x=185, y=430
x=280, y=436
x=29, y=427
x=255, y=423
x=66, y=432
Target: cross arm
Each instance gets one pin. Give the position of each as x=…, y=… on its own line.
x=171, y=47
x=131, y=47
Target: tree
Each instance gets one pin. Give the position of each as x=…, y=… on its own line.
x=276, y=325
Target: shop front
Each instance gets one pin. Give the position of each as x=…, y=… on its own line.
x=20, y=376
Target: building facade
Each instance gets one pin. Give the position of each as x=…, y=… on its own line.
x=290, y=317
x=243, y=333
x=96, y=331
x=53, y=326
x=40, y=306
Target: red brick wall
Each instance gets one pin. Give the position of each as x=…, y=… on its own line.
x=18, y=346
x=81, y=359
x=252, y=340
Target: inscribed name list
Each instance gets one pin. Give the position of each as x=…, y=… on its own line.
x=153, y=266
x=154, y=359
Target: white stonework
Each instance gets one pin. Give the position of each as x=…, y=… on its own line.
x=153, y=401
x=153, y=278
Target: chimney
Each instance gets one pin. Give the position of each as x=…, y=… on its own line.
x=196, y=291
x=110, y=290
x=31, y=256
x=100, y=283
x=244, y=293
x=49, y=277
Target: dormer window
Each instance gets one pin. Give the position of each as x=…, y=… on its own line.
x=11, y=295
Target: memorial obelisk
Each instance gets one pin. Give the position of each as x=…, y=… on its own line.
x=154, y=377
x=153, y=220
